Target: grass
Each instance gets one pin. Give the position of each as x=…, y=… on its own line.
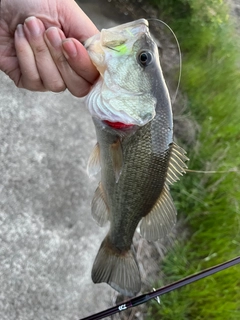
x=208, y=203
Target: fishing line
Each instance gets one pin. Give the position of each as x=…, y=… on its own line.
x=179, y=51
x=213, y=171
x=161, y=291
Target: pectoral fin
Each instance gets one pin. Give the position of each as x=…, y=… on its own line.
x=176, y=163
x=117, y=158
x=93, y=166
x=100, y=210
x=161, y=219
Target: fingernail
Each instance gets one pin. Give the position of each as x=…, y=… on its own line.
x=53, y=37
x=69, y=49
x=33, y=26
x=19, y=30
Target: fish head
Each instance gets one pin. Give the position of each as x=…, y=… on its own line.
x=128, y=62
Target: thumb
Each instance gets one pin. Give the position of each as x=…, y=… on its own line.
x=75, y=23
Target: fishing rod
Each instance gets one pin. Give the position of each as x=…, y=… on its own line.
x=161, y=291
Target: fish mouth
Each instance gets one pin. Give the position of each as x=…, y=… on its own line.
x=133, y=28
x=87, y=43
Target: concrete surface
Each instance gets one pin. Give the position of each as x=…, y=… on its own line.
x=48, y=239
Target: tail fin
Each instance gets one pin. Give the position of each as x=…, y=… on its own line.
x=118, y=269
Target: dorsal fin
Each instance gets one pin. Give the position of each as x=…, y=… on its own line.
x=117, y=158
x=100, y=210
x=161, y=219
x=176, y=163
x=93, y=166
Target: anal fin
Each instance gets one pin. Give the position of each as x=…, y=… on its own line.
x=158, y=223
x=100, y=210
x=93, y=166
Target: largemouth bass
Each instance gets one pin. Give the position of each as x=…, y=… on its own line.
x=135, y=152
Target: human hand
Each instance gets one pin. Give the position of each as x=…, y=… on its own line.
x=36, y=59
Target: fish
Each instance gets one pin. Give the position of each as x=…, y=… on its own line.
x=135, y=152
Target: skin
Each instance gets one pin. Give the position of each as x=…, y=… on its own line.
x=41, y=45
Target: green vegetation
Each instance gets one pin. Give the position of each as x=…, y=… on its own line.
x=208, y=203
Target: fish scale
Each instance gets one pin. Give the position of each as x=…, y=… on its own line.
x=139, y=186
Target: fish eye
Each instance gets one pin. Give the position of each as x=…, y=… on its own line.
x=144, y=58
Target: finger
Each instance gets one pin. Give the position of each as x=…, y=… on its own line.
x=81, y=27
x=48, y=71
x=79, y=59
x=29, y=77
x=76, y=82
